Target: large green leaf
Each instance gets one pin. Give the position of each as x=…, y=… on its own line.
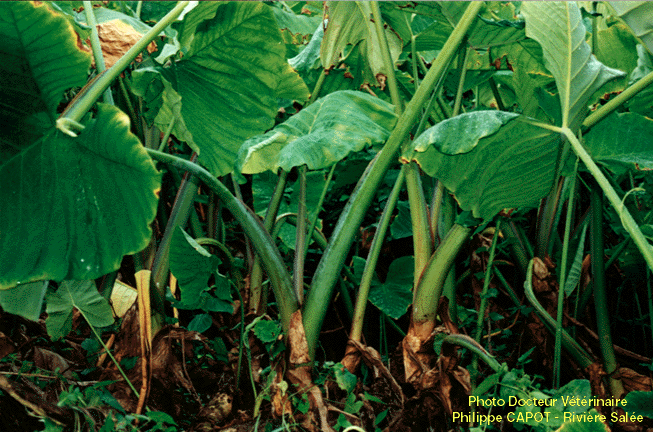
x=72, y=207
x=639, y=17
x=622, y=142
x=559, y=29
x=40, y=61
x=513, y=167
x=228, y=81
x=81, y=295
x=350, y=23
x=229, y=78
x=320, y=135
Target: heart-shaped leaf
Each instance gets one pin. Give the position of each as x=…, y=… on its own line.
x=81, y=295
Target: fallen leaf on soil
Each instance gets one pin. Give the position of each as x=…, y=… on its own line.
x=6, y=345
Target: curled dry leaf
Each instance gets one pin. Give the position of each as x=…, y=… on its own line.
x=116, y=38
x=299, y=373
x=633, y=381
x=373, y=360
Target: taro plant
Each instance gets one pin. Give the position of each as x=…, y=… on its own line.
x=222, y=104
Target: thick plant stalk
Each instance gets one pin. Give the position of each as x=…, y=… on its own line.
x=422, y=242
x=261, y=240
x=334, y=257
x=418, y=343
x=428, y=292
x=600, y=296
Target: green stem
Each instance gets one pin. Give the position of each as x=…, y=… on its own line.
x=139, y=8
x=496, y=94
x=486, y=283
x=626, y=218
x=166, y=135
x=605, y=110
x=385, y=55
x=334, y=257
x=258, y=295
x=263, y=243
x=600, y=295
x=475, y=347
x=318, y=87
x=96, y=47
x=429, y=289
x=579, y=354
x=449, y=288
x=113, y=359
x=422, y=243
x=179, y=215
x=461, y=83
x=318, y=207
x=81, y=106
x=557, y=356
x=372, y=258
x=300, y=237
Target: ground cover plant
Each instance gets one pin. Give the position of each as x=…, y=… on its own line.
x=270, y=216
